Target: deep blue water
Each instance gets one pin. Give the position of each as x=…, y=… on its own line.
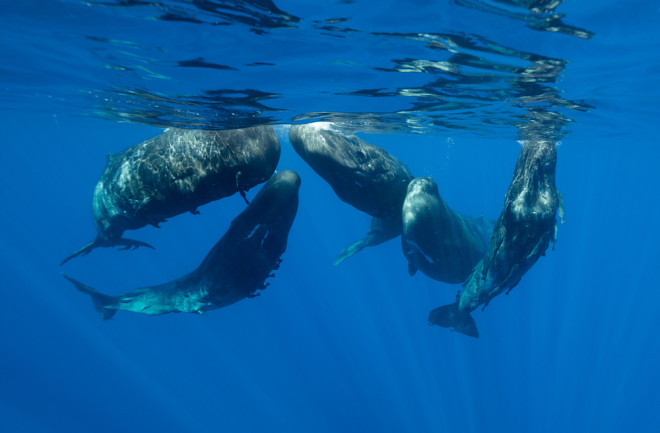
x=449, y=87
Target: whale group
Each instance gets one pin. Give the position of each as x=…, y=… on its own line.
x=180, y=170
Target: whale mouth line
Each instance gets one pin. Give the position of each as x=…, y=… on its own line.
x=415, y=246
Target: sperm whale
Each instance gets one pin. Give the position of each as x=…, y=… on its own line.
x=176, y=172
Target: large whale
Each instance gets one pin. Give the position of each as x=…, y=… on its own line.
x=235, y=268
x=176, y=172
x=525, y=228
x=437, y=240
x=361, y=174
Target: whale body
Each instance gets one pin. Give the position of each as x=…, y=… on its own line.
x=437, y=240
x=235, y=268
x=522, y=234
x=176, y=172
x=363, y=175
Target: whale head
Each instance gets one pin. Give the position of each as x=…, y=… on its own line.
x=271, y=212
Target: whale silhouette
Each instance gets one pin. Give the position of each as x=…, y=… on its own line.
x=361, y=174
x=525, y=228
x=235, y=268
x=176, y=172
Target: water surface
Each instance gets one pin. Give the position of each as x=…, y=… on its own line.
x=449, y=87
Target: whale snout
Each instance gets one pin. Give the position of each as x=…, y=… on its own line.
x=287, y=178
x=277, y=199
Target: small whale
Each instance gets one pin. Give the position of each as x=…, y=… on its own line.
x=176, y=172
x=235, y=268
x=437, y=240
x=361, y=174
x=525, y=228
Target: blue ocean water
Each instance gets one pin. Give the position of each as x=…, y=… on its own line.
x=450, y=87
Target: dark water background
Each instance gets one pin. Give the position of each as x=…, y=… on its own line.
x=449, y=87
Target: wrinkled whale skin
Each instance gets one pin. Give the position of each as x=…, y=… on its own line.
x=235, y=268
x=176, y=172
x=523, y=232
x=363, y=175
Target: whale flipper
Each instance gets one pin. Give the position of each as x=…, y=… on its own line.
x=352, y=249
x=412, y=269
x=100, y=300
x=449, y=316
x=125, y=244
x=81, y=252
x=130, y=244
x=381, y=230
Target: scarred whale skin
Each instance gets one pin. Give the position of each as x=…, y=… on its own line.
x=361, y=174
x=235, y=268
x=437, y=240
x=525, y=228
x=175, y=172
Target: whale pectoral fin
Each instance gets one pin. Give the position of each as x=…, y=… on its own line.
x=381, y=230
x=130, y=244
x=101, y=301
x=124, y=244
x=449, y=316
x=351, y=250
x=241, y=191
x=84, y=250
x=412, y=269
x=560, y=207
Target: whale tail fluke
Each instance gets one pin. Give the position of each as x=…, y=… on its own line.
x=449, y=316
x=123, y=243
x=100, y=300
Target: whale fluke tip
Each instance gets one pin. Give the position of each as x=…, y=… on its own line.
x=449, y=316
x=99, y=300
